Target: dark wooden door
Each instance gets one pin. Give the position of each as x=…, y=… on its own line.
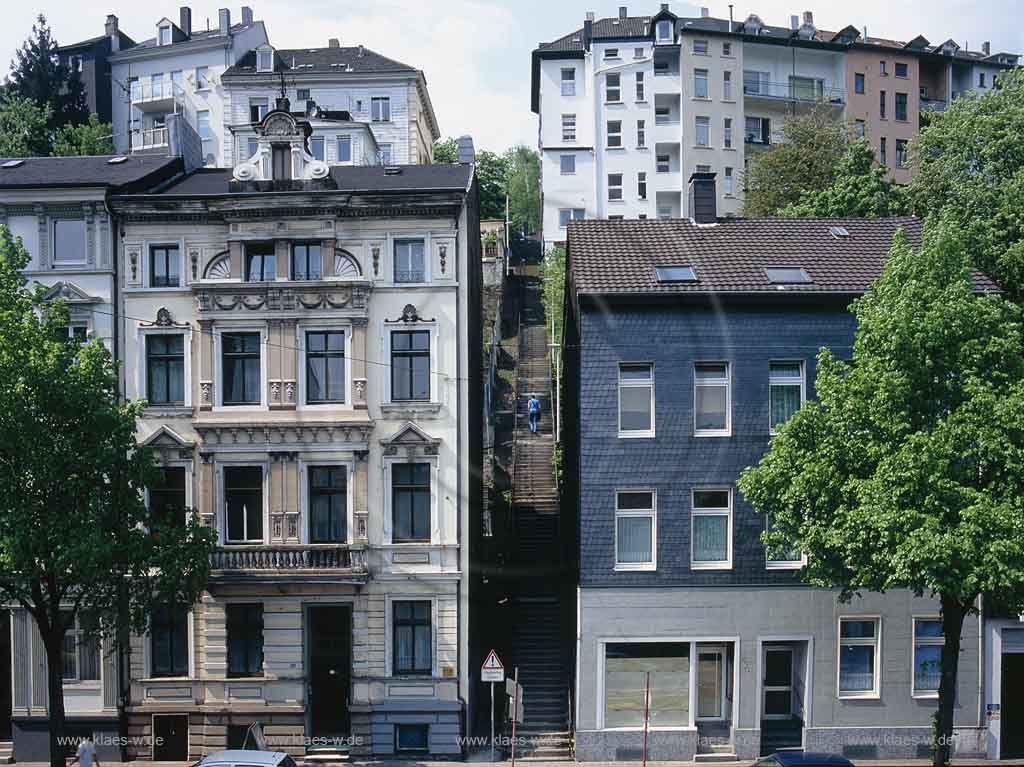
x=5, y=675
x=170, y=738
x=330, y=669
x=1011, y=726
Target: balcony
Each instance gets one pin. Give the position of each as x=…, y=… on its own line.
x=933, y=105
x=316, y=561
x=148, y=138
x=159, y=96
x=801, y=91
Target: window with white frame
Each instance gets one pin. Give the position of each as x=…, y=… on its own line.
x=614, y=140
x=380, y=109
x=614, y=186
x=711, y=398
x=243, y=504
x=410, y=502
x=858, y=657
x=167, y=500
x=316, y=148
x=410, y=365
x=638, y=53
x=244, y=624
x=700, y=83
x=639, y=86
x=641, y=134
x=663, y=163
x=727, y=133
x=241, y=366
x=627, y=696
x=700, y=47
x=727, y=85
x=635, y=530
x=412, y=637
x=757, y=130
x=611, y=53
x=703, y=131
x=612, y=88
x=325, y=367
x=565, y=215
x=727, y=188
x=203, y=124
x=306, y=261
x=641, y=185
x=664, y=31
x=328, y=504
x=165, y=368
x=202, y=78
x=568, y=81
x=344, y=149
x=164, y=266
x=264, y=60
x=410, y=261
x=636, y=400
x=165, y=35
x=785, y=392
x=567, y=164
x=569, y=127
x=702, y=169
x=781, y=558
x=727, y=49
x=69, y=241
x=711, y=517
x=80, y=659
x=928, y=642
x=258, y=108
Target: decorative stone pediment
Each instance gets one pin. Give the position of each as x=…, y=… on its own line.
x=411, y=441
x=166, y=437
x=71, y=293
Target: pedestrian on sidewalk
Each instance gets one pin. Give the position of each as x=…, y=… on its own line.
x=533, y=413
x=86, y=755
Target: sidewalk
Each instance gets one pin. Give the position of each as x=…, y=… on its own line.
x=484, y=757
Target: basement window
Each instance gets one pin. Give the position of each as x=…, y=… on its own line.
x=786, y=275
x=675, y=274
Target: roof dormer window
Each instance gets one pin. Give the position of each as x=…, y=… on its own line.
x=164, y=34
x=265, y=60
x=664, y=29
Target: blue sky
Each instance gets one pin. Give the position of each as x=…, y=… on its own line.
x=476, y=53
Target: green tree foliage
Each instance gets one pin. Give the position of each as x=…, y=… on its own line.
x=38, y=74
x=970, y=168
x=88, y=138
x=76, y=539
x=492, y=175
x=524, y=188
x=446, y=152
x=552, y=272
x=23, y=127
x=804, y=158
x=909, y=470
x=860, y=189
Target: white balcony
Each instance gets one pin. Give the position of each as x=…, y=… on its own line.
x=157, y=96
x=148, y=138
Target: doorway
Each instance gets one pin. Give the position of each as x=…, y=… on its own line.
x=170, y=737
x=330, y=670
x=711, y=682
x=5, y=675
x=777, y=685
x=1011, y=728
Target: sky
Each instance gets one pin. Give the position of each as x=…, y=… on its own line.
x=476, y=53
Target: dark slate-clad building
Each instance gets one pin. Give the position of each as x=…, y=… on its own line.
x=687, y=342
x=90, y=59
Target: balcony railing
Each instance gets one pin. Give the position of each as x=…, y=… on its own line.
x=148, y=138
x=142, y=93
x=935, y=105
x=284, y=559
x=795, y=91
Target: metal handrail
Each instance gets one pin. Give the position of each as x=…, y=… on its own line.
x=793, y=91
x=147, y=138
x=515, y=388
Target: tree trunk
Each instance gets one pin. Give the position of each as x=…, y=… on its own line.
x=952, y=624
x=54, y=644
x=123, y=649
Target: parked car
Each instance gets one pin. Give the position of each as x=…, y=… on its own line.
x=240, y=758
x=803, y=759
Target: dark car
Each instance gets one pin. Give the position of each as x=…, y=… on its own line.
x=803, y=759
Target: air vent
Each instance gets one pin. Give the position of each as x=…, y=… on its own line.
x=116, y=160
x=675, y=274
x=12, y=164
x=839, y=232
x=786, y=275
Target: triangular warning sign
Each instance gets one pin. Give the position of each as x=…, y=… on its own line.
x=491, y=663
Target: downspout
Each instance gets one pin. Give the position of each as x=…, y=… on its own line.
x=981, y=661
x=462, y=618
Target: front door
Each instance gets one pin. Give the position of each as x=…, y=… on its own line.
x=777, y=684
x=1011, y=728
x=5, y=675
x=711, y=683
x=170, y=738
x=330, y=669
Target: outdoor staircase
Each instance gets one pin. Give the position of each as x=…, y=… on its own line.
x=6, y=752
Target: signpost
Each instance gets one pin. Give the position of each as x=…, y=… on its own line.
x=492, y=671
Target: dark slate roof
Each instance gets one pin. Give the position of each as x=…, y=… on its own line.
x=368, y=178
x=616, y=257
x=630, y=27
x=197, y=34
x=357, y=59
x=126, y=42
x=136, y=172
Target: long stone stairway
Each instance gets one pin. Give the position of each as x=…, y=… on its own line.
x=537, y=633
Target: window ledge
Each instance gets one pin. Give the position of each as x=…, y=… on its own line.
x=167, y=411
x=636, y=434
x=859, y=696
x=784, y=565
x=925, y=695
x=410, y=410
x=615, y=149
x=711, y=565
x=635, y=568
x=712, y=434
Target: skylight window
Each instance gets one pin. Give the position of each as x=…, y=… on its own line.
x=116, y=160
x=839, y=232
x=786, y=275
x=675, y=274
x=12, y=164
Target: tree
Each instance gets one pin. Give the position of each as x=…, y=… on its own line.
x=37, y=73
x=77, y=542
x=552, y=273
x=909, y=470
x=446, y=152
x=23, y=131
x=805, y=159
x=860, y=189
x=89, y=138
x=524, y=188
x=970, y=168
x=492, y=176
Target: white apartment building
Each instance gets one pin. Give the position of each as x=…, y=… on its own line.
x=179, y=70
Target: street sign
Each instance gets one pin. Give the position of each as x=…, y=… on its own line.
x=492, y=670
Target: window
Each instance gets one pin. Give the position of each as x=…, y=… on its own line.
x=639, y=86
x=712, y=529
x=167, y=498
x=203, y=124
x=302, y=94
x=641, y=134
x=901, y=69
x=663, y=163
x=675, y=273
x=727, y=49
x=611, y=53
x=165, y=369
x=264, y=61
x=412, y=638
x=410, y=365
x=727, y=133
x=881, y=104
x=700, y=83
x=711, y=398
x=380, y=109
x=316, y=148
x=384, y=151
x=325, y=366
x=754, y=82
x=328, y=504
x=626, y=669
x=569, y=127
x=901, y=107
x=883, y=158
x=783, y=275
x=410, y=502
x=69, y=240
x=664, y=211
x=163, y=266
x=785, y=392
x=412, y=738
x=252, y=145
x=858, y=82
x=664, y=31
x=614, y=186
x=565, y=215
x=81, y=655
x=344, y=149
x=727, y=86
x=636, y=400
x=410, y=265
x=702, y=169
x=177, y=78
x=638, y=53
x=243, y=502
x=787, y=558
x=307, y=262
x=641, y=185
x=77, y=333
x=727, y=183
x=859, y=128
x=202, y=78
x=703, y=131
x=901, y=153
x=635, y=517
x=662, y=115
x=882, y=69
x=981, y=79
x=928, y=642
x=258, y=108
x=168, y=642
x=700, y=47
x=568, y=81
x=260, y=263
x=612, y=88
x=245, y=640
x=757, y=130
x=858, y=657
x=165, y=36
x=240, y=362
x=568, y=164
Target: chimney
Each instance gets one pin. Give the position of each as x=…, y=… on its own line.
x=865, y=33
x=808, y=19
x=705, y=12
x=246, y=15
x=588, y=30
x=361, y=51
x=986, y=48
x=466, y=152
x=730, y=18
x=110, y=30
x=664, y=6
x=185, y=20
x=224, y=21
x=623, y=11
x=794, y=22
x=703, y=200
x=334, y=42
